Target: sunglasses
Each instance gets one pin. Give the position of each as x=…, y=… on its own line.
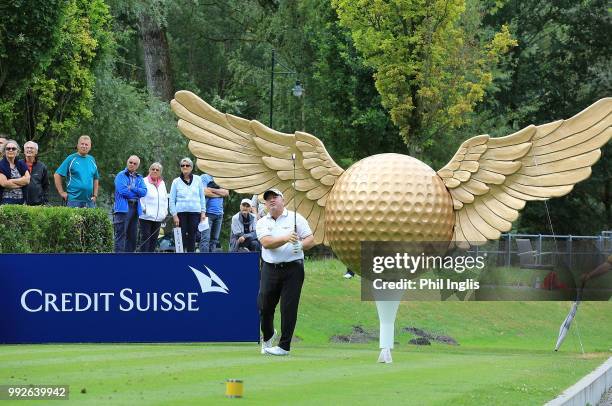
x=155, y=169
x=10, y=149
x=185, y=166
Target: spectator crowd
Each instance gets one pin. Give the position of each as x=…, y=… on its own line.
x=141, y=204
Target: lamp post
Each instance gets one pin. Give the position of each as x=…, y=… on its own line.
x=297, y=89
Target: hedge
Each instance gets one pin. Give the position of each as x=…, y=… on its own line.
x=41, y=229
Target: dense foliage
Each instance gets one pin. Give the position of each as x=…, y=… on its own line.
x=40, y=229
x=408, y=76
x=431, y=68
x=47, y=55
x=561, y=66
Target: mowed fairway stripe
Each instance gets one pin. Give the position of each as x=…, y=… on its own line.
x=195, y=374
x=101, y=353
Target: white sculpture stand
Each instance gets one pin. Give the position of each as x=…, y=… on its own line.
x=387, y=311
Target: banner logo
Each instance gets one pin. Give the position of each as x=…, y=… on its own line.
x=144, y=297
x=206, y=282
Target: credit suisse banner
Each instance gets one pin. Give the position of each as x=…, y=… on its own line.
x=128, y=298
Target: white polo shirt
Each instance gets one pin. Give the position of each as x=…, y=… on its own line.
x=283, y=225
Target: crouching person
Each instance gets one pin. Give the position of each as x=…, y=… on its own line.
x=244, y=223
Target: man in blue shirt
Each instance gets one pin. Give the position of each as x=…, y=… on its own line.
x=82, y=177
x=209, y=239
x=129, y=188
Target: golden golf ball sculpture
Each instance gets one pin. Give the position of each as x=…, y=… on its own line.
x=391, y=197
x=386, y=197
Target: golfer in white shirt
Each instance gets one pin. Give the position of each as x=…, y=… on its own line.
x=284, y=236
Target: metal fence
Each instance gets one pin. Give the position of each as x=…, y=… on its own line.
x=569, y=249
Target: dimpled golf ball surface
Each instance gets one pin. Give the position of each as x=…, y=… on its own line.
x=386, y=197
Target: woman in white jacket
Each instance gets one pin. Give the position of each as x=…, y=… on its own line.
x=154, y=208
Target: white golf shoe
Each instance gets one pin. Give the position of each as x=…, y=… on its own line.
x=278, y=351
x=267, y=344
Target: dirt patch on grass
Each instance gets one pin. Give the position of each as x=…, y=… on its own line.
x=419, y=341
x=358, y=335
x=424, y=335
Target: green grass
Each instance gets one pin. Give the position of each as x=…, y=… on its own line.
x=505, y=357
x=331, y=305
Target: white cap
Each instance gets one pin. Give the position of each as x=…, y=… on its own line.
x=246, y=201
x=275, y=191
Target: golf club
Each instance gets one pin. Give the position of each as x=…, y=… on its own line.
x=294, y=197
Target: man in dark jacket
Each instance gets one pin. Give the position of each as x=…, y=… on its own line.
x=37, y=192
x=244, y=236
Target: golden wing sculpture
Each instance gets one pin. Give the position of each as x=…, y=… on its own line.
x=248, y=157
x=491, y=179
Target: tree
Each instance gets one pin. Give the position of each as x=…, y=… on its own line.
x=156, y=53
x=344, y=108
x=47, y=87
x=561, y=66
x=219, y=50
x=28, y=37
x=431, y=66
x=141, y=27
x=561, y=63
x=340, y=105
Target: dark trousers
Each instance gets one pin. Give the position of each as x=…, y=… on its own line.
x=76, y=203
x=189, y=226
x=149, y=231
x=280, y=282
x=126, y=229
x=252, y=245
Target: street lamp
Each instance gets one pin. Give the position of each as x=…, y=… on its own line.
x=297, y=89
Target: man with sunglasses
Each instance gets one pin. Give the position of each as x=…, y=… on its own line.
x=82, y=177
x=129, y=188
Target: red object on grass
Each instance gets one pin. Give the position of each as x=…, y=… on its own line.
x=551, y=281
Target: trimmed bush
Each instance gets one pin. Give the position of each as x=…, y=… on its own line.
x=40, y=229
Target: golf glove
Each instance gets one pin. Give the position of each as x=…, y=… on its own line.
x=297, y=247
